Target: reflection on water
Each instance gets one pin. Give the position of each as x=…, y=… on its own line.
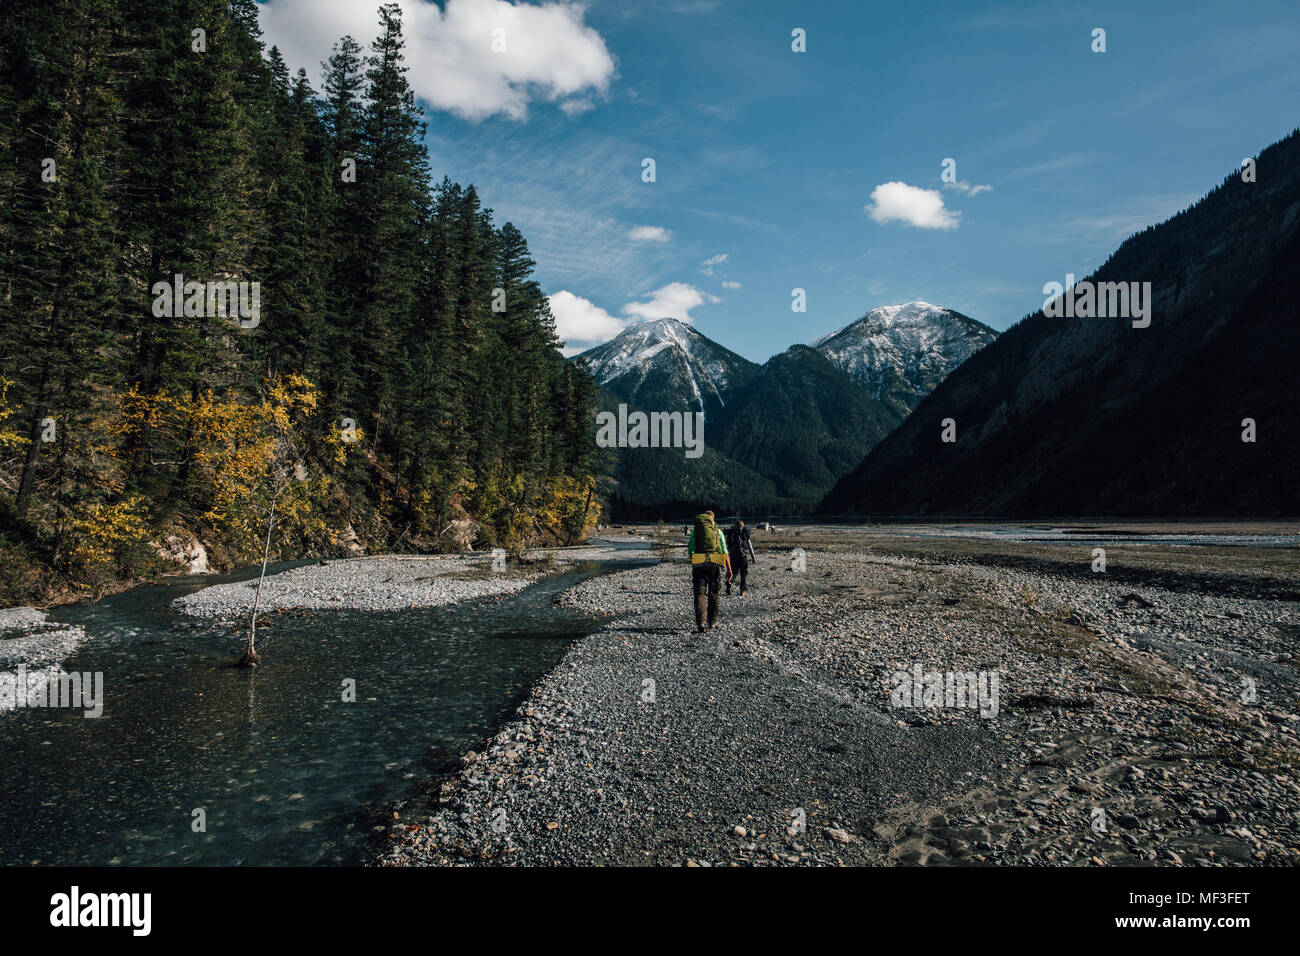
x=277, y=761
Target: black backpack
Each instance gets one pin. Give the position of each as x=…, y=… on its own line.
x=733, y=541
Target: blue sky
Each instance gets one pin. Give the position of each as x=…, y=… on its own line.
x=771, y=158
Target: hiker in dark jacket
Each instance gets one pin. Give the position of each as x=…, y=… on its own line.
x=707, y=549
x=741, y=550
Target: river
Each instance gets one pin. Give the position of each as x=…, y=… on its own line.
x=277, y=762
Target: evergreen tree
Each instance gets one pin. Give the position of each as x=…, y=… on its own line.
x=181, y=145
x=58, y=231
x=393, y=201
x=341, y=115
x=185, y=211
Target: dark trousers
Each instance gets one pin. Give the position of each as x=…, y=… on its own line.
x=706, y=579
x=738, y=571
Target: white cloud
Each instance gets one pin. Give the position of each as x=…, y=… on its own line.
x=712, y=261
x=580, y=323
x=549, y=54
x=730, y=285
x=673, y=301
x=967, y=189
x=913, y=205
x=649, y=234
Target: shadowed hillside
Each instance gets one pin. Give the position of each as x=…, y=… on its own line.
x=1093, y=416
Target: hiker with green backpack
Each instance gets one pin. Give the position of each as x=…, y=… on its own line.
x=707, y=549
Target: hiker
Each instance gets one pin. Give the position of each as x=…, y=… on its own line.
x=708, y=553
x=741, y=550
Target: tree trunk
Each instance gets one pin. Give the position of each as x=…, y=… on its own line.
x=250, y=658
x=28, y=479
x=582, y=522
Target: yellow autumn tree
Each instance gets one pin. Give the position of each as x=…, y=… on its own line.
x=245, y=455
x=99, y=530
x=251, y=458
x=568, y=509
x=94, y=523
x=10, y=440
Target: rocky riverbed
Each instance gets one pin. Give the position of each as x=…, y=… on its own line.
x=32, y=648
x=391, y=582
x=1134, y=724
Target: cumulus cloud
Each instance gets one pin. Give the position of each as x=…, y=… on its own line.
x=580, y=323
x=673, y=301
x=726, y=284
x=913, y=205
x=546, y=52
x=966, y=189
x=649, y=234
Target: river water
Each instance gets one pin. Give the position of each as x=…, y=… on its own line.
x=277, y=762
x=1086, y=536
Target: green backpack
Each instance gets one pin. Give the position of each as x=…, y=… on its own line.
x=707, y=538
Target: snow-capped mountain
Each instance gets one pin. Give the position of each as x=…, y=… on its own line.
x=666, y=364
x=901, y=352
x=779, y=435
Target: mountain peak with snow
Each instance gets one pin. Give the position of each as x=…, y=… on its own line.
x=668, y=364
x=901, y=352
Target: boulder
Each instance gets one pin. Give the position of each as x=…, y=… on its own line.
x=187, y=551
x=462, y=532
x=347, y=540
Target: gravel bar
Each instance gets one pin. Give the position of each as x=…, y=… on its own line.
x=1134, y=726
x=389, y=582
x=28, y=639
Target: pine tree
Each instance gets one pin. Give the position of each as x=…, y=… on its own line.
x=182, y=145
x=393, y=204
x=341, y=115
x=58, y=231
x=185, y=211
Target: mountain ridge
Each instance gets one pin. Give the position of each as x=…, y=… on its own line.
x=783, y=432
x=626, y=365
x=1093, y=416
x=901, y=352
